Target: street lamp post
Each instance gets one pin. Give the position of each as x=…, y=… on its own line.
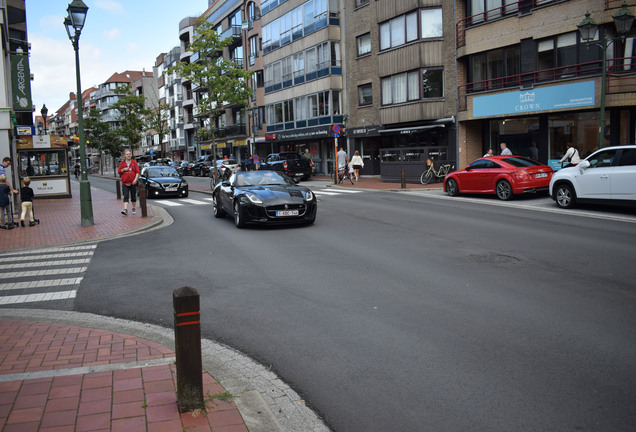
x=74, y=23
x=44, y=111
x=588, y=28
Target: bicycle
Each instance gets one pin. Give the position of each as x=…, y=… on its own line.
x=438, y=174
x=341, y=177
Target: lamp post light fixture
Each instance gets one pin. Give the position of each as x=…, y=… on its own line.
x=44, y=111
x=74, y=23
x=588, y=28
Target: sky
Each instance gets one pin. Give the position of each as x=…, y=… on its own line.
x=118, y=35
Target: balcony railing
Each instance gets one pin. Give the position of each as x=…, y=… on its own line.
x=233, y=31
x=506, y=10
x=621, y=77
x=231, y=130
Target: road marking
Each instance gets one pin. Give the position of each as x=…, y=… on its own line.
x=31, y=298
x=192, y=201
x=31, y=276
x=346, y=191
x=555, y=210
x=168, y=203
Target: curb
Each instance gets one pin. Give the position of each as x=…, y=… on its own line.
x=264, y=401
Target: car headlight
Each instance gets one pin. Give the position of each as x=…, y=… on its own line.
x=184, y=183
x=308, y=195
x=254, y=198
x=153, y=184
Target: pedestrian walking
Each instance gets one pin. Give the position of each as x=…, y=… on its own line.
x=26, y=196
x=357, y=164
x=571, y=155
x=505, y=151
x=77, y=170
x=343, y=161
x=129, y=172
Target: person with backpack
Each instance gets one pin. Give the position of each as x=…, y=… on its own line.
x=571, y=155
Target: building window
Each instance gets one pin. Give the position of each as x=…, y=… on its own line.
x=405, y=28
x=494, y=69
x=431, y=23
x=432, y=83
x=361, y=2
x=412, y=86
x=364, y=44
x=365, y=95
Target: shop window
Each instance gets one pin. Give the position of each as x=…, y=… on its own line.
x=42, y=164
x=364, y=44
x=365, y=95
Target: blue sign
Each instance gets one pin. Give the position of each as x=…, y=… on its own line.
x=564, y=96
x=335, y=131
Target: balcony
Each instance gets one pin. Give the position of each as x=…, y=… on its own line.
x=621, y=78
x=231, y=130
x=233, y=31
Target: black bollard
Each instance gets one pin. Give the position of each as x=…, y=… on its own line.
x=142, y=201
x=118, y=187
x=403, y=176
x=187, y=340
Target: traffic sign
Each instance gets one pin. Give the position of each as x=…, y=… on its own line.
x=335, y=131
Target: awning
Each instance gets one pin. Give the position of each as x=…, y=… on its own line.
x=412, y=129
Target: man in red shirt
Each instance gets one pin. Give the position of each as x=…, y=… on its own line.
x=129, y=172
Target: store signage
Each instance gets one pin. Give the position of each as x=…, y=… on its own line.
x=566, y=96
x=366, y=131
x=49, y=186
x=25, y=130
x=21, y=83
x=309, y=133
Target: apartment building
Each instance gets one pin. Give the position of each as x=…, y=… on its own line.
x=303, y=45
x=527, y=78
x=171, y=94
x=401, y=84
x=186, y=105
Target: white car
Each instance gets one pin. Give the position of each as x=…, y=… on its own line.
x=606, y=176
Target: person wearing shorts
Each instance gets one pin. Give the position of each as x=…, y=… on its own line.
x=129, y=172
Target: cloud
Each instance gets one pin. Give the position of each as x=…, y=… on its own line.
x=111, y=34
x=110, y=5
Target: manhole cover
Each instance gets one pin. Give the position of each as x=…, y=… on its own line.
x=494, y=258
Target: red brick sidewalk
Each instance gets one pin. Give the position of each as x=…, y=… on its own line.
x=60, y=221
x=42, y=389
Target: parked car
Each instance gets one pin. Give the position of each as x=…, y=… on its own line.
x=183, y=167
x=200, y=169
x=264, y=197
x=293, y=164
x=162, y=180
x=504, y=176
x=606, y=176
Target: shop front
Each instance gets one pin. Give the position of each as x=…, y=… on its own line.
x=539, y=123
x=44, y=159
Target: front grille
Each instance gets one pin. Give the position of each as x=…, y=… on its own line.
x=271, y=210
x=171, y=185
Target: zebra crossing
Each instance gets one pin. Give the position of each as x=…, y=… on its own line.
x=177, y=202
x=38, y=277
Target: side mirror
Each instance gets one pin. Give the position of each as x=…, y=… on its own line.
x=583, y=165
x=296, y=180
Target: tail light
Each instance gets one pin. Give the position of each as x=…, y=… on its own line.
x=285, y=166
x=522, y=173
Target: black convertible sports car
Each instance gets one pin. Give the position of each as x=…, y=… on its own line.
x=264, y=197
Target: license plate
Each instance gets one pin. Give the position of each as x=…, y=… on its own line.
x=540, y=175
x=287, y=213
x=171, y=189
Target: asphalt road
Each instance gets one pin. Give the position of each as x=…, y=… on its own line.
x=407, y=312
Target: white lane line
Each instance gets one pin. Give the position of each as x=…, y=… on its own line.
x=349, y=191
x=44, y=283
x=192, y=201
x=45, y=264
x=325, y=193
x=30, y=298
x=49, y=250
x=209, y=199
x=168, y=203
x=31, y=273
x=56, y=256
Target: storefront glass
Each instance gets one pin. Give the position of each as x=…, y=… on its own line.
x=43, y=163
x=517, y=133
x=581, y=129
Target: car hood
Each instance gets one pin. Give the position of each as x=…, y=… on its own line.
x=275, y=192
x=165, y=179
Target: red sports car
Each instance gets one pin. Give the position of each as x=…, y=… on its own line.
x=502, y=175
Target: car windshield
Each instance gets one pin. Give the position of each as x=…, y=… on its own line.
x=521, y=162
x=164, y=171
x=260, y=178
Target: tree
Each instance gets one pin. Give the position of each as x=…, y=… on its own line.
x=158, y=121
x=101, y=136
x=220, y=81
x=132, y=116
